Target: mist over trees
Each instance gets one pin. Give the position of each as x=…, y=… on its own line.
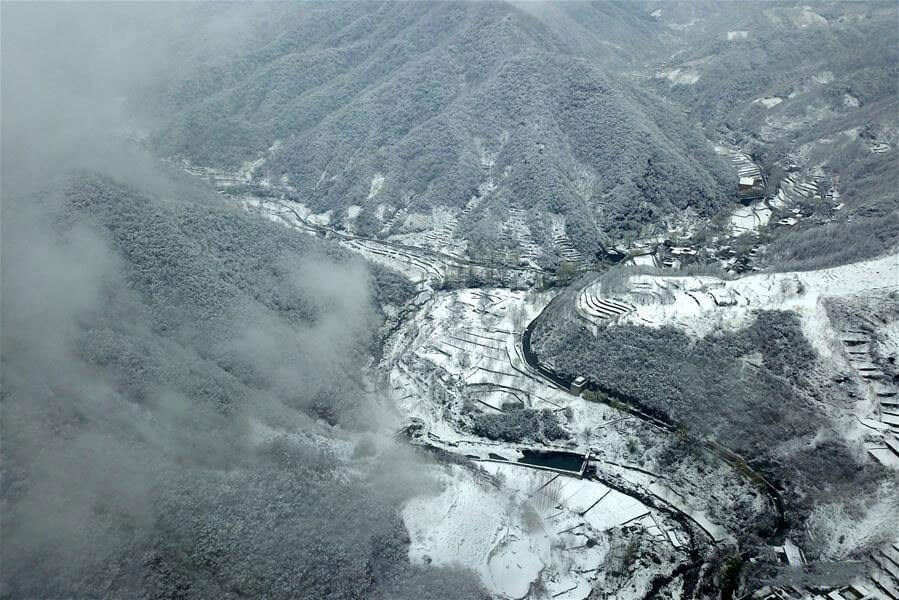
x=157, y=352
x=184, y=403
x=181, y=392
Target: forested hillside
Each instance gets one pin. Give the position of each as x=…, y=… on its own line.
x=811, y=88
x=754, y=390
x=603, y=115
x=439, y=100
x=172, y=365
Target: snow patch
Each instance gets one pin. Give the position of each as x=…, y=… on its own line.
x=838, y=534
x=807, y=18
x=473, y=525
x=376, y=183
x=770, y=102
x=823, y=77
x=749, y=218
x=679, y=76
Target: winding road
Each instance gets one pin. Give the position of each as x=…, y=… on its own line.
x=629, y=405
x=634, y=407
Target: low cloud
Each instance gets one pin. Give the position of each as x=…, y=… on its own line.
x=114, y=420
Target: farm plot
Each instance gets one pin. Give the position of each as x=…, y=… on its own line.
x=595, y=307
x=541, y=527
x=700, y=305
x=418, y=267
x=437, y=231
x=472, y=339
x=882, y=416
x=566, y=249
x=795, y=189
x=579, y=510
x=742, y=162
x=750, y=218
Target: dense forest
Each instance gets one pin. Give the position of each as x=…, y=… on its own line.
x=755, y=390
x=438, y=99
x=157, y=351
x=196, y=400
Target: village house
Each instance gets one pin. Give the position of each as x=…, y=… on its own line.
x=577, y=386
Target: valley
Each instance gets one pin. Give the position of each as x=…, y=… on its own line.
x=465, y=382
x=450, y=300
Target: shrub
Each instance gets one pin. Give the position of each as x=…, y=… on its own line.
x=519, y=425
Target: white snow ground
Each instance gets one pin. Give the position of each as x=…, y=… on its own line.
x=466, y=344
x=750, y=218
x=701, y=305
x=476, y=525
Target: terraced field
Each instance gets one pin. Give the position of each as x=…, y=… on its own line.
x=596, y=308
x=563, y=243
x=464, y=352
x=473, y=336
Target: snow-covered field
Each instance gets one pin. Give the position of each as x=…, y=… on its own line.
x=525, y=530
x=702, y=305
x=470, y=340
x=477, y=525
x=749, y=218
x=526, y=524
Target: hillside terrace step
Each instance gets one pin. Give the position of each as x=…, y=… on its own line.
x=890, y=570
x=885, y=390
x=614, y=307
x=605, y=314
x=863, y=364
x=885, y=586
x=893, y=445
x=891, y=553
x=602, y=312
x=859, y=349
x=605, y=307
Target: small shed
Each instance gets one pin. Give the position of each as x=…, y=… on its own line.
x=671, y=263
x=577, y=386
x=791, y=553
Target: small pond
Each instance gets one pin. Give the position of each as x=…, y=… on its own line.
x=566, y=461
